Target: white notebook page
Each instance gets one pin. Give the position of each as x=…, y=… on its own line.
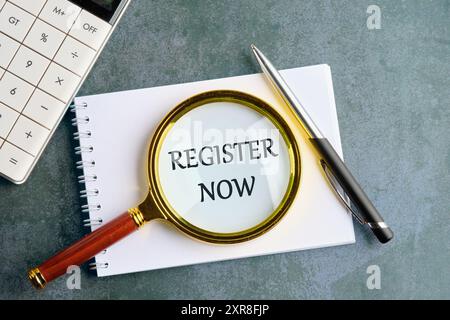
x=122, y=124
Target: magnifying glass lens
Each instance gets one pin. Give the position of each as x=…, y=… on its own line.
x=223, y=167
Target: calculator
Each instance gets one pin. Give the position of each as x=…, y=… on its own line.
x=47, y=48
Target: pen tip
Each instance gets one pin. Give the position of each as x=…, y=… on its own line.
x=253, y=47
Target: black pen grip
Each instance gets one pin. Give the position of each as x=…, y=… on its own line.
x=352, y=188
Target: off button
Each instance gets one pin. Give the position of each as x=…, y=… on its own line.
x=90, y=30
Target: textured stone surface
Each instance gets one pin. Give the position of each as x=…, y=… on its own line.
x=392, y=93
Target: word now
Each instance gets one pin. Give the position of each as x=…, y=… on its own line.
x=224, y=189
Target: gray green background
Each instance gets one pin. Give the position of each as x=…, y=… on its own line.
x=392, y=91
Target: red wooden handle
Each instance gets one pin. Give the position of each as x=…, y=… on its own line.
x=83, y=250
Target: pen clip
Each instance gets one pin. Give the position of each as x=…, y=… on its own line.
x=341, y=194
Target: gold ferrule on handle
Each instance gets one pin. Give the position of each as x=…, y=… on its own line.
x=36, y=278
x=137, y=217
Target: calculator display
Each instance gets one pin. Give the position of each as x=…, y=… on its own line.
x=107, y=4
x=104, y=9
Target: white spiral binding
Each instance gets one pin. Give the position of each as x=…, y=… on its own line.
x=85, y=164
x=80, y=120
x=92, y=222
x=82, y=135
x=87, y=208
x=78, y=106
x=87, y=178
x=98, y=265
x=88, y=194
x=82, y=164
x=80, y=150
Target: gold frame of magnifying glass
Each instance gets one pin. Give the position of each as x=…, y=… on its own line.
x=156, y=206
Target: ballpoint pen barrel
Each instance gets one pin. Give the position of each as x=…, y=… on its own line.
x=358, y=197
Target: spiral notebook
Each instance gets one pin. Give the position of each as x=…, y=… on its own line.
x=113, y=134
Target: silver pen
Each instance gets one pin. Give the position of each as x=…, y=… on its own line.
x=339, y=176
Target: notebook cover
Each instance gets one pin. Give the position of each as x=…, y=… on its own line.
x=121, y=125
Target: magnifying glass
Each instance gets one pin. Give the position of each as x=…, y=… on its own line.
x=223, y=167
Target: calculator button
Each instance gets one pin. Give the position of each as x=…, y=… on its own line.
x=15, y=22
x=2, y=3
x=14, y=92
x=29, y=65
x=33, y=6
x=28, y=135
x=14, y=162
x=90, y=30
x=44, y=109
x=60, y=14
x=59, y=82
x=44, y=39
x=8, y=48
x=7, y=119
x=75, y=56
